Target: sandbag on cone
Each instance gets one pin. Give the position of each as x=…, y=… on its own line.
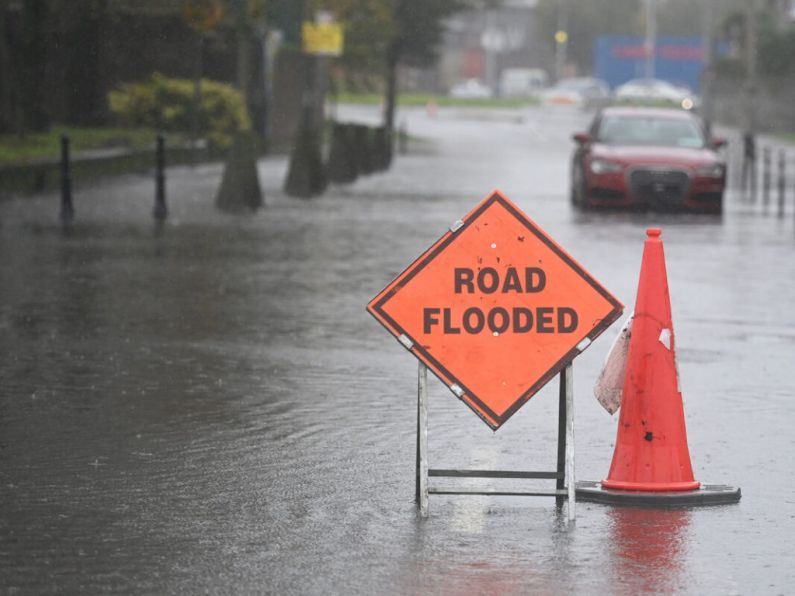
x=651, y=451
x=609, y=387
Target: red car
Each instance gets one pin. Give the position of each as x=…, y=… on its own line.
x=648, y=158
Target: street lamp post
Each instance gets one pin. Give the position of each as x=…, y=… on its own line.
x=651, y=37
x=708, y=73
x=750, y=62
x=749, y=136
x=561, y=41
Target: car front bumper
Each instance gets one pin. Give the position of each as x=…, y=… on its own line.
x=657, y=188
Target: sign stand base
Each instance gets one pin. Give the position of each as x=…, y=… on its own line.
x=563, y=475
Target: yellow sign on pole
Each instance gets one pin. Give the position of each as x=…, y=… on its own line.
x=203, y=15
x=322, y=39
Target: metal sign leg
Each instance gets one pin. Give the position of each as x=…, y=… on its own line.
x=421, y=492
x=560, y=483
x=570, y=481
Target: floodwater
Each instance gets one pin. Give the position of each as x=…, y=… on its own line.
x=207, y=407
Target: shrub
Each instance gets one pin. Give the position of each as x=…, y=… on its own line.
x=167, y=104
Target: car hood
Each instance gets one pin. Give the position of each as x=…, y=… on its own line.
x=643, y=93
x=641, y=154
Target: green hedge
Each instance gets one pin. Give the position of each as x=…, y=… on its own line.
x=166, y=104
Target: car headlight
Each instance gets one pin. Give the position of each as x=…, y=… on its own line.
x=712, y=171
x=602, y=166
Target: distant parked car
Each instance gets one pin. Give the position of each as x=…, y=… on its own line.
x=655, y=92
x=648, y=157
x=470, y=89
x=579, y=91
x=523, y=82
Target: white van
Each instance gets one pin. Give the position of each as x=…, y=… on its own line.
x=522, y=82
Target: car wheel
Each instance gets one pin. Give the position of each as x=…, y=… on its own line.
x=719, y=206
x=579, y=196
x=585, y=202
x=573, y=193
x=576, y=176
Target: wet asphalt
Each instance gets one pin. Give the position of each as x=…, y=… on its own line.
x=207, y=407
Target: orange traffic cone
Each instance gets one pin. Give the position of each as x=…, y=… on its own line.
x=651, y=461
x=651, y=451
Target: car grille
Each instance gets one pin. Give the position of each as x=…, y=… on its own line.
x=659, y=187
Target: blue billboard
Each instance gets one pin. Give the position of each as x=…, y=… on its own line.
x=679, y=60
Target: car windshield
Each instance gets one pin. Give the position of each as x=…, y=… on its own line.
x=650, y=130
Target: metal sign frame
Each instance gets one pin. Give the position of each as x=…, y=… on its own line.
x=563, y=475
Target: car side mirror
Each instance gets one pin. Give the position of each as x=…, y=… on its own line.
x=717, y=142
x=581, y=138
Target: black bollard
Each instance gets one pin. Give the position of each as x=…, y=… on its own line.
x=382, y=148
x=240, y=190
x=737, y=166
x=364, y=149
x=341, y=161
x=749, y=166
x=306, y=174
x=741, y=173
x=67, y=209
x=160, y=211
x=782, y=180
x=766, y=175
x=349, y=135
x=403, y=139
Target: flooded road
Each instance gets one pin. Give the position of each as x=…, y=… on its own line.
x=208, y=408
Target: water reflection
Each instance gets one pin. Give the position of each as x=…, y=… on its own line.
x=484, y=576
x=648, y=548
x=517, y=547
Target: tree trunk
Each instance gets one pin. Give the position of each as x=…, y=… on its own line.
x=7, y=104
x=85, y=85
x=33, y=59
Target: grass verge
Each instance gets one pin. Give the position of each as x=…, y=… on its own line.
x=20, y=149
x=422, y=99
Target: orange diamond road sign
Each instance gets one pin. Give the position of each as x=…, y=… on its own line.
x=495, y=308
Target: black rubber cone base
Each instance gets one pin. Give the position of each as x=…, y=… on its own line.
x=708, y=494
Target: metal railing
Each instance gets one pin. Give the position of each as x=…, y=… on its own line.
x=761, y=172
